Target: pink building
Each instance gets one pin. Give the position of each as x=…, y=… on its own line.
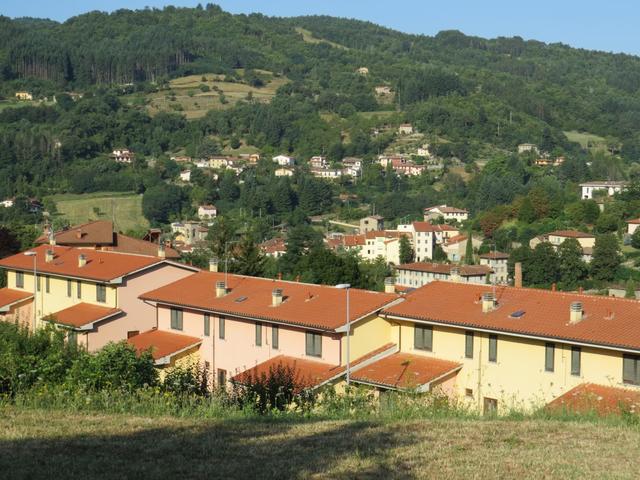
x=243, y=322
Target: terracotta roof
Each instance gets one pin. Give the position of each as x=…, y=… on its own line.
x=634, y=221
x=101, y=266
x=445, y=268
x=99, y=232
x=405, y=371
x=429, y=227
x=126, y=244
x=604, y=183
x=163, y=344
x=495, y=256
x=445, y=209
x=456, y=239
x=9, y=297
x=315, y=306
x=600, y=399
x=273, y=245
x=83, y=314
x=569, y=234
x=385, y=234
x=607, y=321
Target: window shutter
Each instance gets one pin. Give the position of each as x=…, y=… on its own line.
x=207, y=325
x=221, y=326
x=629, y=369
x=575, y=360
x=274, y=337
x=549, y=356
x=258, y=334
x=468, y=345
x=493, y=348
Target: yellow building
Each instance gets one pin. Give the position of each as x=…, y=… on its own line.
x=24, y=96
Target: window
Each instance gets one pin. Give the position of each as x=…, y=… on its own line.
x=221, y=328
x=19, y=279
x=207, y=325
x=38, y=283
x=222, y=377
x=468, y=344
x=132, y=333
x=631, y=369
x=79, y=288
x=72, y=338
x=575, y=360
x=176, y=319
x=313, y=345
x=69, y=288
x=101, y=293
x=468, y=392
x=549, y=356
x=275, y=337
x=258, y=334
x=423, y=337
x=493, y=348
x=47, y=284
x=490, y=406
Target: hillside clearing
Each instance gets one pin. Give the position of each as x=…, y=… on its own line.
x=42, y=444
x=124, y=208
x=308, y=37
x=588, y=141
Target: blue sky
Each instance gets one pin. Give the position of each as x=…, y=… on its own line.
x=599, y=25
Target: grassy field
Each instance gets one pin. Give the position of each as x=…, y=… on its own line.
x=125, y=208
x=308, y=37
x=587, y=140
x=49, y=444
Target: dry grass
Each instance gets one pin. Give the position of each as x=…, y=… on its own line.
x=308, y=37
x=46, y=444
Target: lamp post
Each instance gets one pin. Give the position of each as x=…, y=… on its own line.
x=347, y=287
x=33, y=254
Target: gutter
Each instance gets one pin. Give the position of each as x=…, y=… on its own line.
x=166, y=360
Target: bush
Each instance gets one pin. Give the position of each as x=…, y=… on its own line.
x=191, y=379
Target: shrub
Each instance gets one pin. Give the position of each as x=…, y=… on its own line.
x=191, y=379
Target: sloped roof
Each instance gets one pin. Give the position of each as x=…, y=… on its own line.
x=163, y=345
x=315, y=306
x=607, y=321
x=429, y=227
x=445, y=268
x=569, y=234
x=403, y=371
x=495, y=256
x=599, y=399
x=83, y=314
x=10, y=297
x=99, y=232
x=126, y=244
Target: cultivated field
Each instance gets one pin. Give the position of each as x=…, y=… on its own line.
x=50, y=444
x=587, y=141
x=124, y=208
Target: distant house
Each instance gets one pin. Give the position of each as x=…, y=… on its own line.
x=318, y=162
x=456, y=247
x=207, y=212
x=586, y=240
x=185, y=175
x=7, y=203
x=632, y=225
x=326, y=173
x=275, y=247
x=448, y=213
x=363, y=71
x=371, y=223
x=383, y=90
x=284, y=172
x=497, y=262
x=181, y=159
x=202, y=163
x=407, y=168
x=24, y=96
x=549, y=162
x=189, y=233
x=284, y=160
x=123, y=155
x=424, y=151
x=405, y=129
x=414, y=275
x=219, y=162
x=609, y=188
x=427, y=236
x=527, y=147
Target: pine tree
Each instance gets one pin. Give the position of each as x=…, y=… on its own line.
x=606, y=257
x=468, y=254
x=406, y=252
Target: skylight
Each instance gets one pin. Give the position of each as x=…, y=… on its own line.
x=240, y=299
x=517, y=314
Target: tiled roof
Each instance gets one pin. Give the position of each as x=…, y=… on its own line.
x=456, y=239
x=315, y=306
x=604, y=183
x=273, y=245
x=634, y=221
x=101, y=265
x=607, y=321
x=429, y=227
x=405, y=371
x=600, y=399
x=445, y=209
x=163, y=344
x=495, y=256
x=385, y=234
x=99, y=232
x=9, y=297
x=83, y=314
x=569, y=234
x=445, y=268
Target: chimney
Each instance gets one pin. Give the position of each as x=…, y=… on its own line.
x=517, y=275
x=48, y=256
x=161, y=251
x=276, y=297
x=454, y=275
x=390, y=285
x=487, y=302
x=82, y=260
x=553, y=287
x=213, y=264
x=575, y=314
x=79, y=234
x=221, y=289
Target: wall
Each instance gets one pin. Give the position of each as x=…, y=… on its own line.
x=367, y=335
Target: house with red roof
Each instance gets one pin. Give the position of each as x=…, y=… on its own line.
x=425, y=237
x=586, y=240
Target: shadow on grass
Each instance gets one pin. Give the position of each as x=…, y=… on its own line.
x=228, y=449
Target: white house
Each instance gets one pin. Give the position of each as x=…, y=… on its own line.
x=456, y=247
x=497, y=262
x=318, y=161
x=446, y=212
x=123, y=155
x=632, y=225
x=405, y=129
x=586, y=240
x=185, y=175
x=202, y=163
x=426, y=236
x=327, y=173
x=610, y=188
x=284, y=172
x=207, y=212
x=284, y=160
x=414, y=275
x=383, y=90
x=8, y=203
x=527, y=147
x=424, y=151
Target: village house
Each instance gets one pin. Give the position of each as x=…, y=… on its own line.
x=348, y=243
x=248, y=323
x=606, y=188
x=326, y=173
x=425, y=237
x=202, y=163
x=498, y=263
x=185, y=176
x=92, y=294
x=123, y=155
x=24, y=96
x=8, y=203
x=363, y=71
x=424, y=151
x=284, y=160
x=405, y=129
x=632, y=225
x=549, y=162
x=189, y=233
x=274, y=247
x=520, y=348
x=527, y=147
x=207, y=212
x=371, y=223
x=417, y=274
x=383, y=90
x=448, y=213
x=382, y=244
x=456, y=247
x=397, y=158
x=284, y=172
x=407, y=168
x=181, y=159
x=318, y=162
x=586, y=240
x=101, y=235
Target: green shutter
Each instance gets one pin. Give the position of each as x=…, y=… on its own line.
x=468, y=344
x=493, y=348
x=423, y=337
x=549, y=356
x=274, y=337
x=69, y=288
x=575, y=360
x=176, y=319
x=630, y=369
x=258, y=334
x=318, y=345
x=221, y=326
x=207, y=325
x=308, y=348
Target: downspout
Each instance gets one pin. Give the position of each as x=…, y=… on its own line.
x=480, y=376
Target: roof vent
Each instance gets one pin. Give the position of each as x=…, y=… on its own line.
x=213, y=264
x=161, y=251
x=82, y=260
x=79, y=234
x=276, y=297
x=488, y=302
x=48, y=256
x=575, y=313
x=389, y=285
x=221, y=289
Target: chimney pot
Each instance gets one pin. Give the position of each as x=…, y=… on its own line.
x=553, y=287
x=221, y=289
x=276, y=297
x=82, y=260
x=390, y=285
x=79, y=234
x=517, y=275
x=213, y=264
x=161, y=251
x=488, y=302
x=575, y=313
x=48, y=256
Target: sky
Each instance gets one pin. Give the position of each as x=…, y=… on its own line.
x=609, y=26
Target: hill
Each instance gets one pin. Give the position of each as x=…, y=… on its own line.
x=33, y=442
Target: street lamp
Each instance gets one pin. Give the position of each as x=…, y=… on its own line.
x=347, y=287
x=33, y=254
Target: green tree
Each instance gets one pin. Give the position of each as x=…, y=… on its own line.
x=607, y=222
x=630, y=290
x=468, y=254
x=439, y=254
x=247, y=258
x=606, y=257
x=635, y=238
x=543, y=267
x=527, y=214
x=161, y=202
x=591, y=211
x=572, y=268
x=406, y=251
